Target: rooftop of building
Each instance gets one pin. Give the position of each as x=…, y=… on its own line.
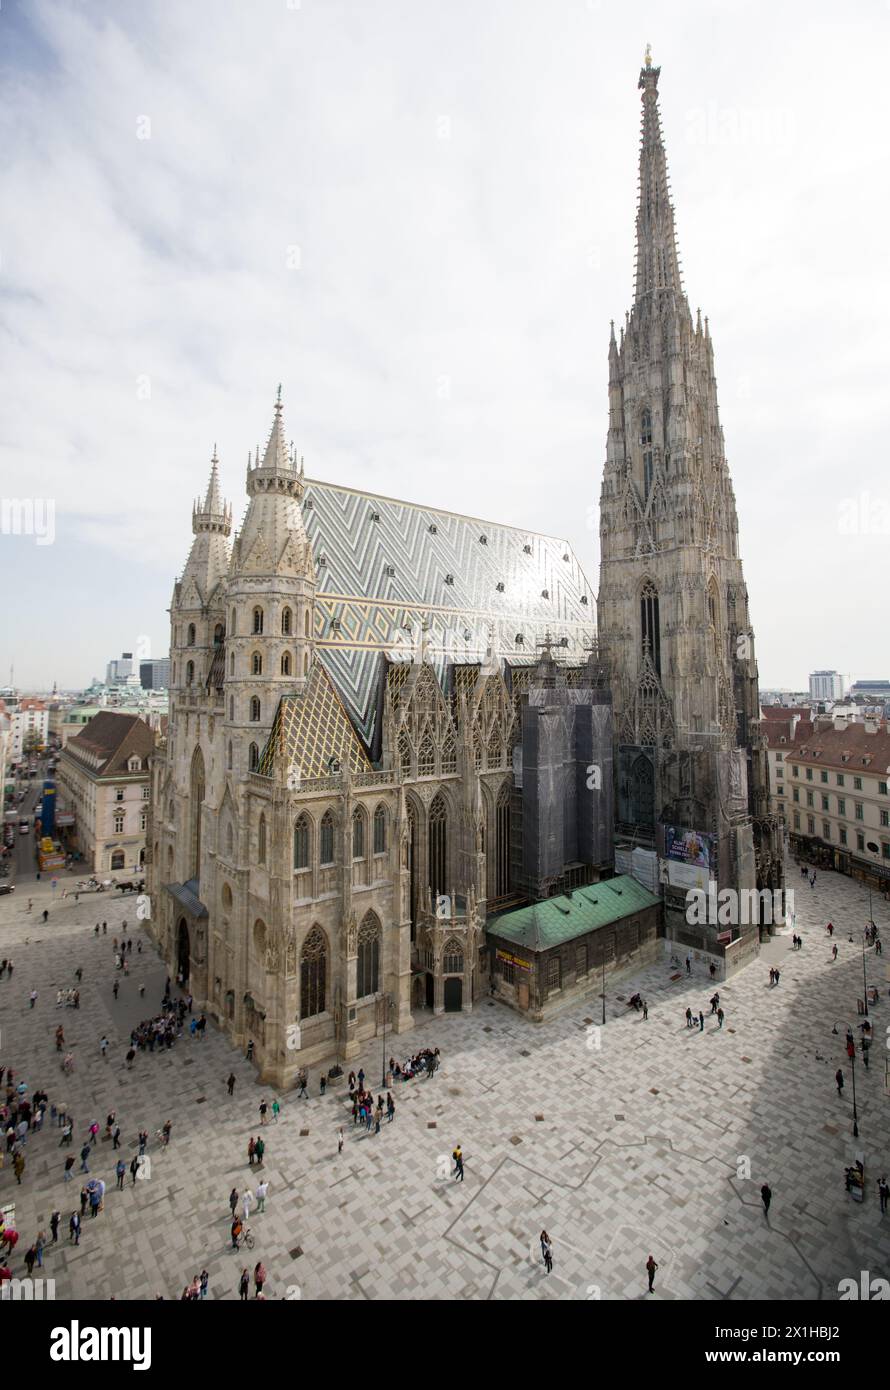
x=554, y=921
x=854, y=747
x=109, y=740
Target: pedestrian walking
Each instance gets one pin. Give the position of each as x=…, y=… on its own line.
x=772, y=976
x=361, y=1079
x=720, y=1018
x=203, y=1283
x=302, y=1078
x=651, y=1267
x=688, y=965
x=390, y=1108
x=251, y=1151
x=262, y=1189
x=834, y=952
x=230, y=1084
x=249, y=1053
x=259, y=1278
x=69, y=1164
x=84, y=1155
x=19, y=1167
x=264, y=1108
x=74, y=1228
x=645, y=1008
x=766, y=1197
x=103, y=1045
x=546, y=1251
x=134, y=1168
x=688, y=1018
x=233, y=1200
x=114, y=988
x=458, y=1164
x=54, y=1227
x=33, y=997
x=276, y=1110
x=701, y=1021
x=812, y=880
x=244, y=1286
x=120, y=1169
x=339, y=1141
x=777, y=976
x=839, y=1081
x=883, y=1194
x=247, y=1199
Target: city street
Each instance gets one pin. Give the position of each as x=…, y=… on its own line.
x=641, y=1137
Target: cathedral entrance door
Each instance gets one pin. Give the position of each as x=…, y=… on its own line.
x=454, y=994
x=430, y=991
x=183, y=953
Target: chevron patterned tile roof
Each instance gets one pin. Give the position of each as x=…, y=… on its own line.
x=396, y=579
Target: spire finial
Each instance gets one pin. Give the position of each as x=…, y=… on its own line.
x=648, y=55
x=278, y=399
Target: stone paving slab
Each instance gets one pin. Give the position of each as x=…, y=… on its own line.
x=636, y=1137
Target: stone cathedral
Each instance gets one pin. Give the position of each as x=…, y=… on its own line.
x=384, y=717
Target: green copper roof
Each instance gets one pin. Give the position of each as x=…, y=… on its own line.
x=556, y=920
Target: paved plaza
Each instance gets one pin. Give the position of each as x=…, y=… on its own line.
x=620, y=1141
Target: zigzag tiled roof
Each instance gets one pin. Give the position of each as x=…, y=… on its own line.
x=385, y=568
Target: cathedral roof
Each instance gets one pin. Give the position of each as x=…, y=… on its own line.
x=307, y=727
x=396, y=579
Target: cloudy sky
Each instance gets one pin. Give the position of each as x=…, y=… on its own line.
x=418, y=216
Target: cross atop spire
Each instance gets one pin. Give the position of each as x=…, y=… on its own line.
x=658, y=265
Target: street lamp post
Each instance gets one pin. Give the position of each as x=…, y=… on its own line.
x=864, y=976
x=604, y=986
x=855, y=1112
x=385, y=1013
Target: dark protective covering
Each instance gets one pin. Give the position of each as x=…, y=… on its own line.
x=567, y=790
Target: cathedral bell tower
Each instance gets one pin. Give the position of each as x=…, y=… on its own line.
x=673, y=606
x=270, y=600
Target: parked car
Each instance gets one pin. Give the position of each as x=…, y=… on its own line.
x=6, y=888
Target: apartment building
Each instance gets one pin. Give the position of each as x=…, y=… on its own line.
x=837, y=797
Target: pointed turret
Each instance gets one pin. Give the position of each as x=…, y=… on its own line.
x=273, y=538
x=208, y=560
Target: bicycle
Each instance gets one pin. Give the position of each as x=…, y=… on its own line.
x=246, y=1238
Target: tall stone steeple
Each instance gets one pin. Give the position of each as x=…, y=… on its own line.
x=208, y=560
x=673, y=606
x=197, y=613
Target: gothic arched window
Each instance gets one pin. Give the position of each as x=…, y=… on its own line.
x=232, y=708
x=714, y=614
x=477, y=750
x=449, y=755
x=229, y=756
x=253, y=760
x=358, y=833
x=285, y=664
x=232, y=664
x=502, y=844
x=426, y=756
x=646, y=428
x=438, y=847
x=326, y=839
x=306, y=622
x=380, y=830
x=453, y=958
x=232, y=623
x=313, y=969
x=650, y=626
x=285, y=622
x=404, y=754
x=255, y=709
x=219, y=634
x=258, y=620
x=301, y=844
x=256, y=664
x=305, y=663
x=190, y=636
x=261, y=840
x=368, y=971
x=230, y=841
x=189, y=672
x=494, y=749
